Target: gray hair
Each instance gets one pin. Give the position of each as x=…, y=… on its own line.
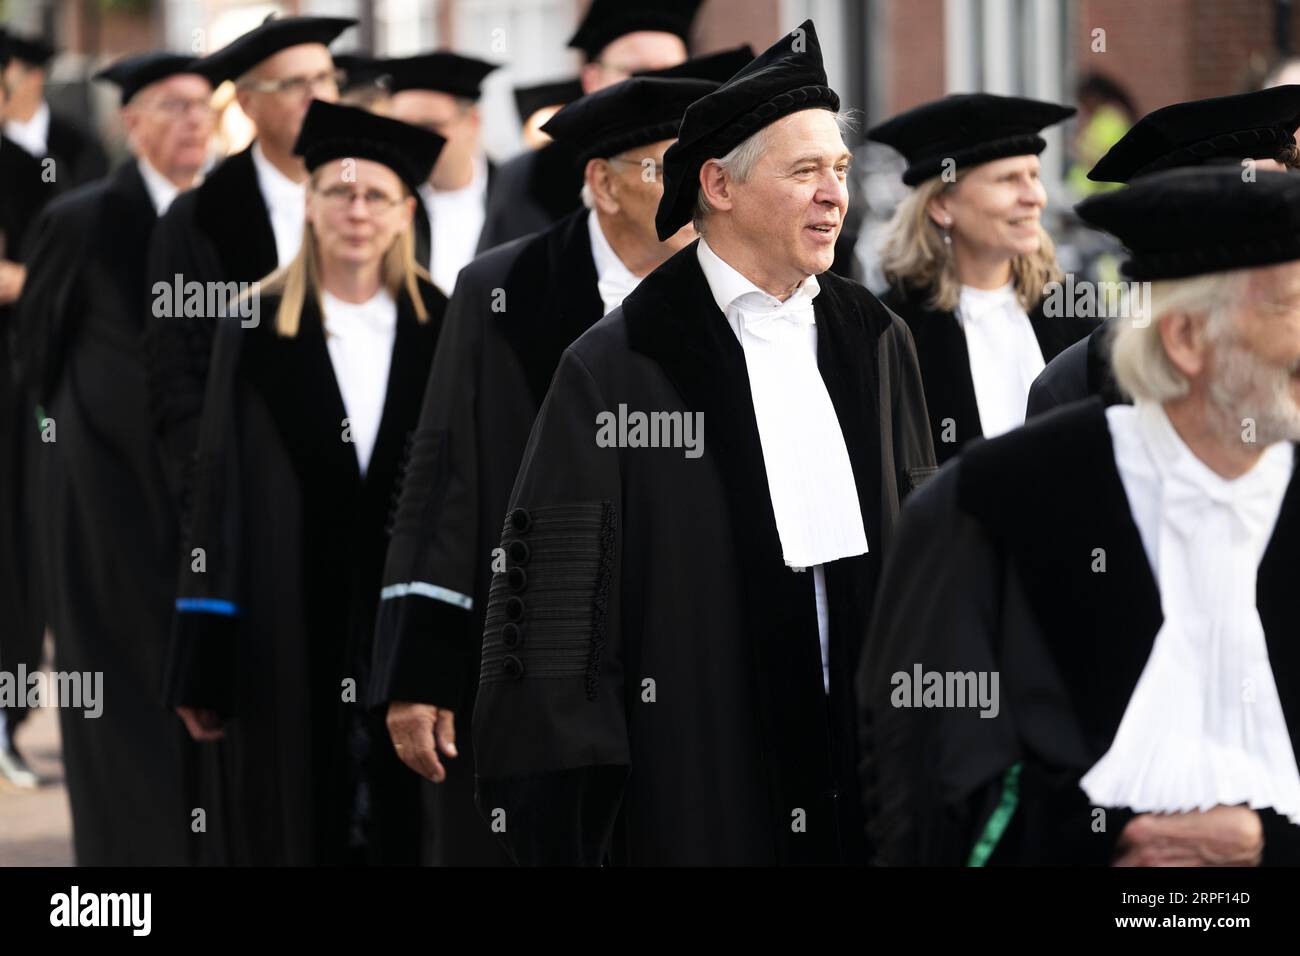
x=1141, y=365
x=739, y=163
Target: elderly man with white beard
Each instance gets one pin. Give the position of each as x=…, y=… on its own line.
x=1127, y=571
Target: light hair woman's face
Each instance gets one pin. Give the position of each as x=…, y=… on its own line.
x=357, y=208
x=996, y=208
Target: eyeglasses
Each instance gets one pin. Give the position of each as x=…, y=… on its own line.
x=341, y=198
x=299, y=86
x=178, y=106
x=658, y=167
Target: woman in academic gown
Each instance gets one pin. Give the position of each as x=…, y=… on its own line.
x=968, y=259
x=306, y=416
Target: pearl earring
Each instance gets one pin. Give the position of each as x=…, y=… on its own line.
x=947, y=230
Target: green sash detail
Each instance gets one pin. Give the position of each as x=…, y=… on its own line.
x=998, y=819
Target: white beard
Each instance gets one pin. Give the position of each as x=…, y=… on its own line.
x=1244, y=387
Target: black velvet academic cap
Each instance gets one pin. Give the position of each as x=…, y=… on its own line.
x=969, y=129
x=1188, y=222
x=333, y=131
x=441, y=71
x=1254, y=125
x=530, y=99
x=270, y=37
x=718, y=67
x=786, y=78
x=33, y=50
x=360, y=69
x=131, y=74
x=635, y=112
x=607, y=20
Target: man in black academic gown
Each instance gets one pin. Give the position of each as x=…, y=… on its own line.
x=1259, y=125
x=1088, y=654
x=244, y=221
x=79, y=158
x=24, y=190
x=112, y=540
x=515, y=309
x=617, y=38
x=697, y=526
x=440, y=91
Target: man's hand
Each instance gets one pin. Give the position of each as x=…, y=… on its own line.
x=1222, y=836
x=12, y=277
x=419, y=731
x=203, y=725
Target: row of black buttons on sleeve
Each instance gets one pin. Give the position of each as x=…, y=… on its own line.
x=512, y=632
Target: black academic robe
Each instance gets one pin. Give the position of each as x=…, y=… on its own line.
x=496, y=356
x=945, y=363
x=219, y=232
x=994, y=569
x=79, y=157
x=112, y=539
x=651, y=682
x=274, y=628
x=1081, y=371
x=530, y=192
x=24, y=191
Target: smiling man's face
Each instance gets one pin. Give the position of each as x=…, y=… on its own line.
x=792, y=205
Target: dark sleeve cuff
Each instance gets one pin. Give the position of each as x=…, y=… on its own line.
x=424, y=652
x=1281, y=839
x=200, y=670
x=559, y=818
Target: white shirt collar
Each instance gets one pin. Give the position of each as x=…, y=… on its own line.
x=276, y=186
x=809, y=477
x=1003, y=353
x=33, y=135
x=614, y=279
x=728, y=285
x=161, y=189
x=286, y=203
x=359, y=337
x=456, y=218
x=981, y=301
x=378, y=314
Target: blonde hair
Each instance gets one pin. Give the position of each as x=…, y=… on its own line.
x=301, y=276
x=1137, y=354
x=915, y=254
